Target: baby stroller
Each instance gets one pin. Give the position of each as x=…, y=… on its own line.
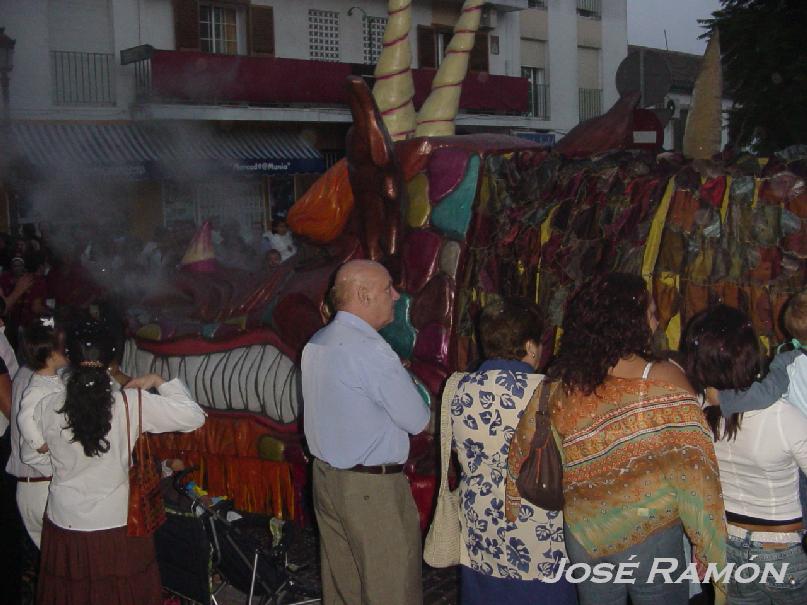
x=198, y=542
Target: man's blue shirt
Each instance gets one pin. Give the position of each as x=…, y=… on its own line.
x=360, y=402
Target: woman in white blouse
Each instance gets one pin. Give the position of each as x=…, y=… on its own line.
x=86, y=555
x=759, y=454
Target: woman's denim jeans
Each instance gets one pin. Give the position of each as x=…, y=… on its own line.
x=668, y=543
x=792, y=592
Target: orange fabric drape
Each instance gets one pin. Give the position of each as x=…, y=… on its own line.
x=225, y=452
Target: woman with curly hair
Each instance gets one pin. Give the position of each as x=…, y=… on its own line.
x=639, y=464
x=86, y=555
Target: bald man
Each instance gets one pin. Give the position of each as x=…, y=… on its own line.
x=360, y=408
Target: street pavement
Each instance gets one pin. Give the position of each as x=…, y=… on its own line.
x=440, y=586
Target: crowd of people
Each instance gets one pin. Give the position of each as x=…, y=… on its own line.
x=63, y=423
x=49, y=266
x=60, y=314
x=690, y=458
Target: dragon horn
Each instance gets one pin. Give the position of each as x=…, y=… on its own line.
x=436, y=117
x=702, y=133
x=394, y=89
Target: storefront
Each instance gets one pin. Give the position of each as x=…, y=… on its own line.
x=156, y=174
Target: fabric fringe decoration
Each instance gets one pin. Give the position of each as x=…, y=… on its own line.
x=225, y=450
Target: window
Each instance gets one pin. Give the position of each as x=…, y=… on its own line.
x=229, y=27
x=536, y=4
x=373, y=38
x=589, y=81
x=590, y=103
x=194, y=203
x=217, y=30
x=82, y=78
x=538, y=94
x=589, y=8
x=323, y=35
x=433, y=42
x=261, y=30
x=444, y=36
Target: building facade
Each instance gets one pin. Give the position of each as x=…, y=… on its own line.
x=228, y=109
x=570, y=51
x=683, y=72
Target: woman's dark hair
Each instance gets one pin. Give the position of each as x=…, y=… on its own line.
x=88, y=402
x=720, y=349
x=506, y=325
x=605, y=321
x=38, y=343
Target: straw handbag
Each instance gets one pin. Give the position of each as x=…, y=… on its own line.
x=442, y=545
x=146, y=507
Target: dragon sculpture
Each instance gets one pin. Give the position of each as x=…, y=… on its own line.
x=459, y=220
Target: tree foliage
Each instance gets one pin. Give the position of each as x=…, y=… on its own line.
x=764, y=48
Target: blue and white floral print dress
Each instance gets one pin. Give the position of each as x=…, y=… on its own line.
x=485, y=412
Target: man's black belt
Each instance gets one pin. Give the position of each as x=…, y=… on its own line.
x=381, y=469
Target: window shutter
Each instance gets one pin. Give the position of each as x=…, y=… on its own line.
x=478, y=60
x=186, y=24
x=261, y=30
x=427, y=47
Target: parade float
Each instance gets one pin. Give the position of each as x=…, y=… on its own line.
x=459, y=220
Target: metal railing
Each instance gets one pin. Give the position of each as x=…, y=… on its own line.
x=590, y=103
x=538, y=101
x=81, y=78
x=142, y=79
x=589, y=8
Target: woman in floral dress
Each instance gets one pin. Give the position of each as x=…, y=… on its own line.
x=503, y=561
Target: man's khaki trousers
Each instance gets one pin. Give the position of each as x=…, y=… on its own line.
x=369, y=532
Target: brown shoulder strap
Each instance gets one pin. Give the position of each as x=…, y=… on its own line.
x=143, y=445
x=140, y=411
x=128, y=429
x=543, y=403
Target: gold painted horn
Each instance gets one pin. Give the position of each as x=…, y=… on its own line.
x=703, y=130
x=436, y=117
x=394, y=89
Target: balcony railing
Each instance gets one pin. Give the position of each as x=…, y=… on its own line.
x=80, y=78
x=168, y=76
x=590, y=103
x=589, y=8
x=538, y=101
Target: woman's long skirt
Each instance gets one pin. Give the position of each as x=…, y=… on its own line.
x=104, y=567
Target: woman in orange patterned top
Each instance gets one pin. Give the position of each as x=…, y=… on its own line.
x=639, y=464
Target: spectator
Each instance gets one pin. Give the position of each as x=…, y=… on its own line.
x=759, y=452
x=20, y=248
x=68, y=282
x=273, y=258
x=5, y=251
x=86, y=555
x=280, y=238
x=361, y=406
x=11, y=530
x=644, y=420
x=43, y=347
x=786, y=378
x=503, y=561
x=24, y=295
x=150, y=256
